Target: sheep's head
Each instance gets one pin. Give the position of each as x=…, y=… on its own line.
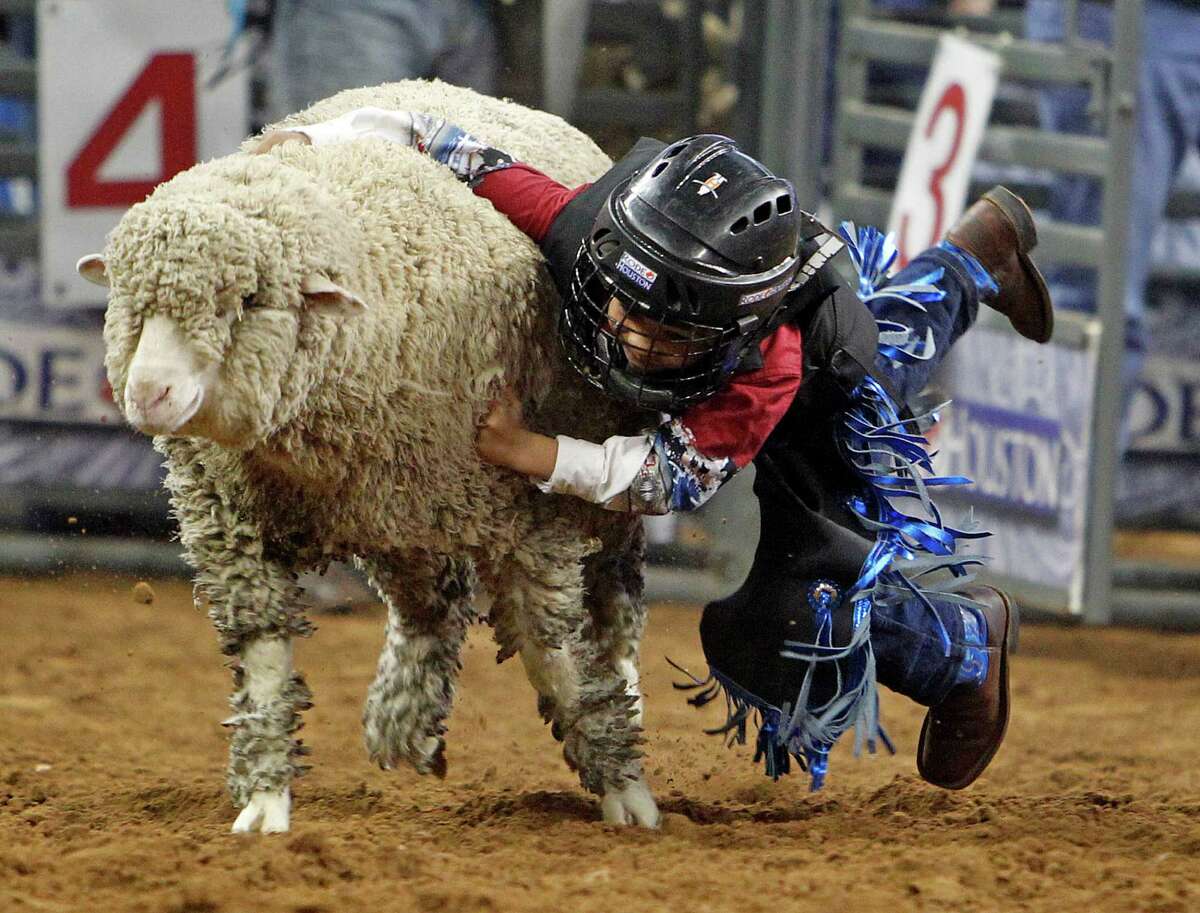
x=215, y=287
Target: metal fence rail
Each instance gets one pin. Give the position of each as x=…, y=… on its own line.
x=870, y=37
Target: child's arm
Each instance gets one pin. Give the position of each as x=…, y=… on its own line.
x=530, y=199
x=469, y=158
x=677, y=466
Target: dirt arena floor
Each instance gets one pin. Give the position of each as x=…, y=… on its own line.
x=111, y=795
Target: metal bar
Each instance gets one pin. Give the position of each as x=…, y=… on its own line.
x=1063, y=242
x=851, y=83
x=877, y=39
x=1141, y=574
x=1175, y=274
x=889, y=128
x=691, y=63
x=861, y=204
x=564, y=36
x=1106, y=424
x=1160, y=609
x=793, y=70
x=1071, y=328
x=40, y=554
x=749, y=77
x=1071, y=21
x=1058, y=242
x=1030, y=594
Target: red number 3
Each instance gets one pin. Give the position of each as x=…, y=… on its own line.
x=953, y=100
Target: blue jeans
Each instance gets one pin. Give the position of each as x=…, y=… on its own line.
x=1168, y=124
x=910, y=655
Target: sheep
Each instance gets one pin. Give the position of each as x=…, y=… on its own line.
x=312, y=336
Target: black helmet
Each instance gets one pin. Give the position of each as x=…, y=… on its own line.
x=698, y=249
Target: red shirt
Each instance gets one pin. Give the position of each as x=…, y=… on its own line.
x=735, y=421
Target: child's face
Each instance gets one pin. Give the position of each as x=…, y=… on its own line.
x=648, y=346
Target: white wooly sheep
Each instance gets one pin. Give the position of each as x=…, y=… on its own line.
x=312, y=336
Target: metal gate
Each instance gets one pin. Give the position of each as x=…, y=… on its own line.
x=870, y=37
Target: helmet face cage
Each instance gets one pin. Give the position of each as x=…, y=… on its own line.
x=654, y=364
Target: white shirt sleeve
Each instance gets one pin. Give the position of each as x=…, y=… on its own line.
x=597, y=472
x=368, y=123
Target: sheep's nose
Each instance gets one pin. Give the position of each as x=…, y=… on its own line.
x=147, y=394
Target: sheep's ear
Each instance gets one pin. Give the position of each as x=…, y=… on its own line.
x=92, y=269
x=327, y=295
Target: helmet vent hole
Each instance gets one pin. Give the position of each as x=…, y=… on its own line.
x=783, y=204
x=739, y=226
x=659, y=169
x=762, y=212
x=674, y=151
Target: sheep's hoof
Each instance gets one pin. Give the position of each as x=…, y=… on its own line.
x=433, y=762
x=427, y=758
x=630, y=804
x=267, y=812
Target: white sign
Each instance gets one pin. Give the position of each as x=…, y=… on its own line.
x=54, y=374
x=953, y=113
x=128, y=96
x=1165, y=411
x=1019, y=426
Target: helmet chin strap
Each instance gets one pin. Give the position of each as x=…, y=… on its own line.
x=638, y=389
x=623, y=384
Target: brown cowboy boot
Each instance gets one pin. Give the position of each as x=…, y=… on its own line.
x=962, y=734
x=998, y=231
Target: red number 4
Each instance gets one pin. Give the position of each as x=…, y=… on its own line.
x=953, y=100
x=169, y=79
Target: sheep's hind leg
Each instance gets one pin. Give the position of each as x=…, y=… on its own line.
x=430, y=600
x=614, y=595
x=591, y=710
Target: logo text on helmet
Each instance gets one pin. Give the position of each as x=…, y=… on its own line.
x=763, y=293
x=632, y=268
x=710, y=184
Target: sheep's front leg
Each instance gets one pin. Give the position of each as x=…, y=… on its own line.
x=255, y=605
x=591, y=707
x=268, y=696
x=430, y=600
x=266, y=676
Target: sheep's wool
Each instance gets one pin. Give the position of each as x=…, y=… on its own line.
x=332, y=435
